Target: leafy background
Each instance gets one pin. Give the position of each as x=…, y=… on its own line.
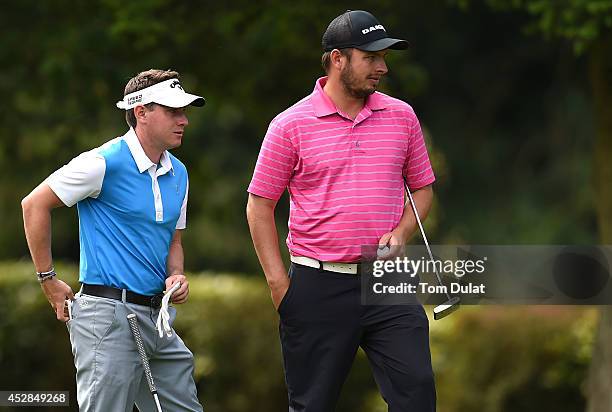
x=513, y=96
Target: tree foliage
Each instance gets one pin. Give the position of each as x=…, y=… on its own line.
x=581, y=21
x=491, y=103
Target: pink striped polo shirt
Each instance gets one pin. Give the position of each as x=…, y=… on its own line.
x=344, y=176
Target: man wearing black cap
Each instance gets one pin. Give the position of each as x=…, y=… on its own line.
x=344, y=153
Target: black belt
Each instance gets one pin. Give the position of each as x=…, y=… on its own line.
x=130, y=297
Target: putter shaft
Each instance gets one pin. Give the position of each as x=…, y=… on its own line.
x=452, y=304
x=133, y=322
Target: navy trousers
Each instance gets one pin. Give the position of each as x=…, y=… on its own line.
x=323, y=323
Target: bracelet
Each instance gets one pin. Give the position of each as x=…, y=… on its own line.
x=42, y=276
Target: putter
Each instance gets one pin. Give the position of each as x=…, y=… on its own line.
x=451, y=304
x=133, y=321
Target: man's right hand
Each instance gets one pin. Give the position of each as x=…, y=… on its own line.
x=279, y=290
x=260, y=215
x=57, y=292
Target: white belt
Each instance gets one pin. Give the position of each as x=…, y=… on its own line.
x=349, y=268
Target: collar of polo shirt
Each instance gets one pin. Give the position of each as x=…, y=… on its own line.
x=168, y=93
x=142, y=160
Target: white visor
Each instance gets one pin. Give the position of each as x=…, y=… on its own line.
x=167, y=93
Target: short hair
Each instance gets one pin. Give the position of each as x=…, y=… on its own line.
x=141, y=81
x=326, y=58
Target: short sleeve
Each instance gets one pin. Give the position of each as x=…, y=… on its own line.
x=79, y=179
x=417, y=167
x=275, y=164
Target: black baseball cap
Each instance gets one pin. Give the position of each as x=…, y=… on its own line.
x=360, y=30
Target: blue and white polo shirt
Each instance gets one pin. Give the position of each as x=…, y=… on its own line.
x=129, y=209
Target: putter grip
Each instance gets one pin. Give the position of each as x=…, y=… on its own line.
x=141, y=351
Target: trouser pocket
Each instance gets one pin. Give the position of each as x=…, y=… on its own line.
x=292, y=285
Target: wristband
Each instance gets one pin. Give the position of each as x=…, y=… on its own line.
x=42, y=276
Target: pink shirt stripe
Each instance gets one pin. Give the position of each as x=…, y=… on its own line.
x=345, y=177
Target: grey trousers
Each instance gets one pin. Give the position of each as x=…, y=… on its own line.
x=110, y=376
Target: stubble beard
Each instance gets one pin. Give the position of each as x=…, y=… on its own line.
x=349, y=82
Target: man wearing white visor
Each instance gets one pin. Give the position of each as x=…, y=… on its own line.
x=131, y=196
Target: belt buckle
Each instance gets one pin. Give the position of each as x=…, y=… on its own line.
x=156, y=301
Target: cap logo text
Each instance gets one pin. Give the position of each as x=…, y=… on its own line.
x=176, y=83
x=372, y=28
x=134, y=99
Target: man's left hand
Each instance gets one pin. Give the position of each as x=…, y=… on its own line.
x=180, y=296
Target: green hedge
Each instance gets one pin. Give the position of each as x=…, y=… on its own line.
x=485, y=359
